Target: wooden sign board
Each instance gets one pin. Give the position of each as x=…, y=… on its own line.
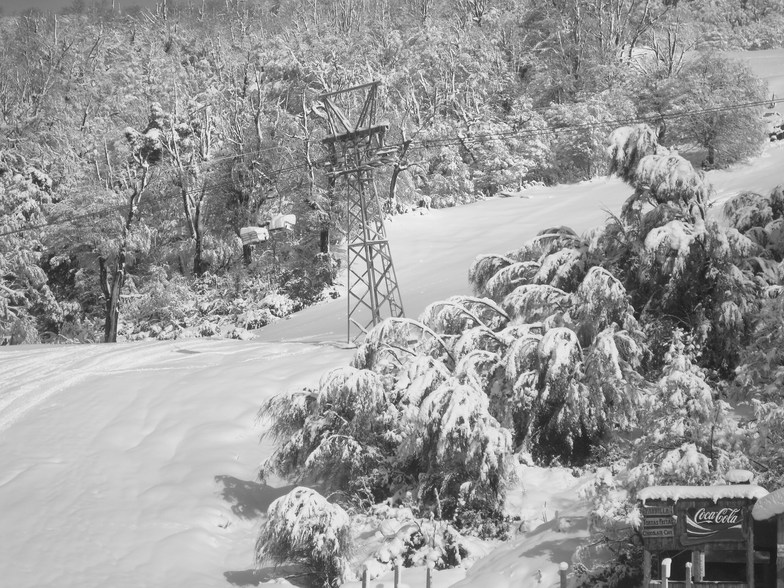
x=652, y=511
x=658, y=522
x=658, y=532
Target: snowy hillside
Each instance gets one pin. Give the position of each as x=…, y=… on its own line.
x=136, y=464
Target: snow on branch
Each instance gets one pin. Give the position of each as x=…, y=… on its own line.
x=669, y=245
x=562, y=269
x=627, y=146
x=671, y=178
x=510, y=277
x=600, y=301
x=478, y=338
x=534, y=302
x=458, y=313
x=747, y=210
x=483, y=268
x=522, y=356
x=560, y=354
x=479, y=368
x=402, y=332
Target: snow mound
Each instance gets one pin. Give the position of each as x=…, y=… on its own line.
x=769, y=506
x=739, y=477
x=715, y=493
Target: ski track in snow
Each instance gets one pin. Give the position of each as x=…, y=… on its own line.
x=30, y=379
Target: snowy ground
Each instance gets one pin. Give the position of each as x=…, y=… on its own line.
x=135, y=465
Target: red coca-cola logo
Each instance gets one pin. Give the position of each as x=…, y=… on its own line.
x=721, y=516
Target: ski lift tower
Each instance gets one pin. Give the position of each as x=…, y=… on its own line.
x=355, y=150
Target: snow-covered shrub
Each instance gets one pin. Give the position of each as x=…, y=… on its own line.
x=413, y=539
x=485, y=267
x=534, y=302
x=340, y=435
x=280, y=305
x=304, y=528
x=685, y=446
x=162, y=300
x=671, y=178
x=503, y=163
x=448, y=178
x=627, y=146
x=466, y=451
x=765, y=441
x=613, y=557
x=747, y=210
x=510, y=277
x=599, y=302
x=394, y=338
x=546, y=242
x=761, y=371
x=579, y=153
x=459, y=313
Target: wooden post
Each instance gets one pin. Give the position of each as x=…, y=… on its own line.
x=563, y=570
x=665, y=572
x=646, y=568
x=698, y=562
x=429, y=577
x=780, y=551
x=397, y=575
x=750, y=551
x=688, y=575
x=365, y=578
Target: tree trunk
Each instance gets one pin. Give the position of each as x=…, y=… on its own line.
x=198, y=264
x=397, y=169
x=112, y=292
x=711, y=159
x=112, y=295
x=324, y=240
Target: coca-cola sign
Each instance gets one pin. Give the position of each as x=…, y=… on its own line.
x=714, y=523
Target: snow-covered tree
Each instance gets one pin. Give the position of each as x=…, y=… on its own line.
x=467, y=451
x=303, y=527
x=339, y=435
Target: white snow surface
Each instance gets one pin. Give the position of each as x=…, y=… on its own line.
x=135, y=464
x=739, y=477
x=769, y=506
x=714, y=493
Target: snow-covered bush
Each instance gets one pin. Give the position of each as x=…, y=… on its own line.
x=613, y=557
x=304, y=528
x=342, y=435
x=465, y=451
x=503, y=160
x=579, y=152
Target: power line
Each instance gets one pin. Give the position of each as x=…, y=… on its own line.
x=446, y=141
x=443, y=142
x=63, y=221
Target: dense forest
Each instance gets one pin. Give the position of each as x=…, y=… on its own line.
x=135, y=144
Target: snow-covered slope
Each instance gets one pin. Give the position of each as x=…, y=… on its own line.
x=134, y=465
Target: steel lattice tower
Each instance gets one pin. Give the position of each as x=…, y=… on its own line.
x=355, y=150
